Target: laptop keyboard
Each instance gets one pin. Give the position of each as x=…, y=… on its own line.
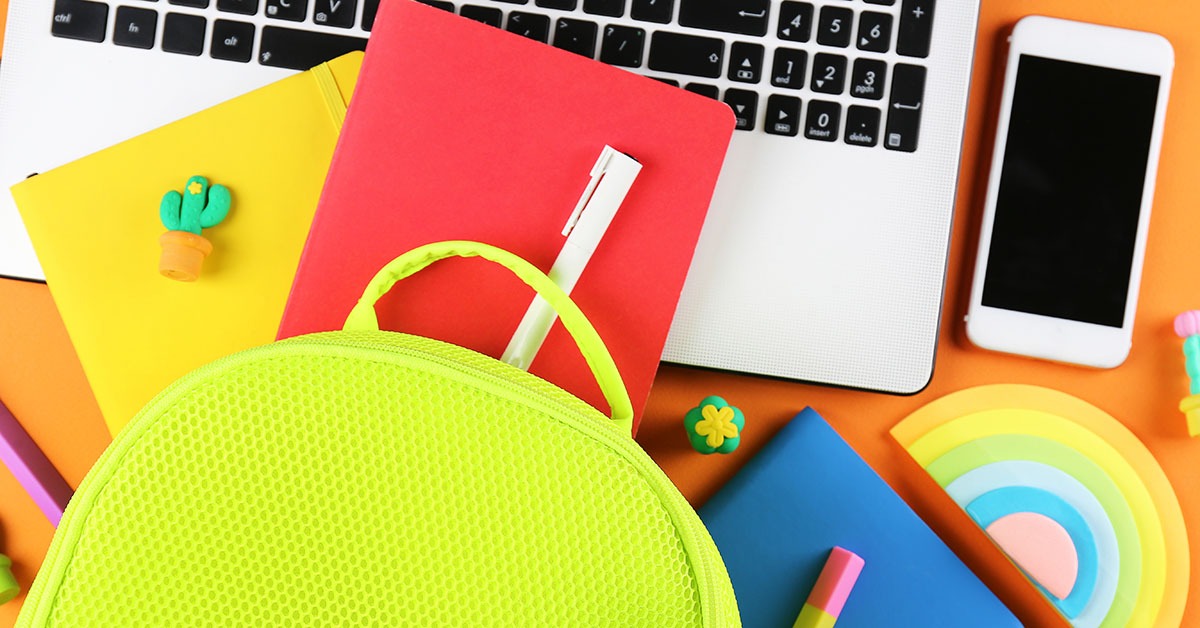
x=814, y=52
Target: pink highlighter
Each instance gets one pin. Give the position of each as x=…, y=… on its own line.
x=37, y=476
x=833, y=587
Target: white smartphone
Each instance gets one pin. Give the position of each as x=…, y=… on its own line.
x=1069, y=194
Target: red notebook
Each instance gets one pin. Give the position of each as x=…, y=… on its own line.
x=461, y=131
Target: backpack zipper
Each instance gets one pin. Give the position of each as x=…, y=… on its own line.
x=690, y=529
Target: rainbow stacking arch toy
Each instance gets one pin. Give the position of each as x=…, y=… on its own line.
x=1070, y=495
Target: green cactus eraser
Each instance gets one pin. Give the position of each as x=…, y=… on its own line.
x=8, y=583
x=714, y=426
x=198, y=207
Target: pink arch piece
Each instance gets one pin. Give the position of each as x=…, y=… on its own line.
x=1041, y=547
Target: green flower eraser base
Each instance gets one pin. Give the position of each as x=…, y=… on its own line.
x=714, y=426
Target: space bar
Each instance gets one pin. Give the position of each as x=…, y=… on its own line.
x=301, y=50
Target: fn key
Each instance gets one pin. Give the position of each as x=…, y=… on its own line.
x=301, y=50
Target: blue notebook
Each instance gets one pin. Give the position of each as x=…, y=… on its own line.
x=807, y=491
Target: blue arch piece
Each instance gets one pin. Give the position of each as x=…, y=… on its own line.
x=992, y=505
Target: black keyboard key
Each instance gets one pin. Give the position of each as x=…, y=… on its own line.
x=338, y=13
x=244, y=7
x=795, y=21
x=835, y=26
x=822, y=121
x=438, y=4
x=135, y=27
x=783, y=115
x=869, y=79
x=301, y=50
x=294, y=10
x=183, y=34
x=829, y=73
x=652, y=10
x=747, y=17
x=232, y=41
x=623, y=45
x=904, y=108
x=370, y=8
x=744, y=105
x=862, y=125
x=745, y=62
x=79, y=19
x=577, y=36
x=611, y=8
x=788, y=68
x=916, y=28
x=671, y=82
x=704, y=90
x=530, y=25
x=516, y=1
x=686, y=54
x=885, y=2
x=487, y=15
x=561, y=5
x=874, y=31
x=195, y=4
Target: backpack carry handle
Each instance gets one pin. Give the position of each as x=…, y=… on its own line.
x=362, y=317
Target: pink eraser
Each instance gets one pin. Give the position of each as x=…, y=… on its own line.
x=1187, y=323
x=837, y=578
x=37, y=476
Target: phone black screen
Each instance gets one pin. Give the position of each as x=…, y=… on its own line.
x=1070, y=191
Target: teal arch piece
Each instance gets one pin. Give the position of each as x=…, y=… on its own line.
x=992, y=505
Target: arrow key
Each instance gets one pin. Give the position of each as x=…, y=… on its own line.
x=745, y=62
x=874, y=31
x=795, y=21
x=829, y=73
x=744, y=105
x=783, y=115
x=338, y=13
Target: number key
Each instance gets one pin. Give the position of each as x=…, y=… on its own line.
x=788, y=69
x=531, y=25
x=834, y=27
x=874, y=31
x=868, y=79
x=622, y=45
x=652, y=10
x=829, y=73
x=822, y=121
x=795, y=21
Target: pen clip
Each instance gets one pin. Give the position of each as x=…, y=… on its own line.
x=598, y=170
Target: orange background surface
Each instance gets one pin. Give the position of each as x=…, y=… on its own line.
x=42, y=383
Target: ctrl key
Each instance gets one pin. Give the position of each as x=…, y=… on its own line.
x=80, y=19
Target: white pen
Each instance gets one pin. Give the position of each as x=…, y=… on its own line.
x=612, y=177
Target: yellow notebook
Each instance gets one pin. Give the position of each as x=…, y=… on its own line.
x=95, y=225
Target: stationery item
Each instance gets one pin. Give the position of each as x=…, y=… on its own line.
x=612, y=176
x=714, y=426
x=808, y=491
x=185, y=215
x=506, y=128
x=32, y=469
x=1187, y=326
x=134, y=332
x=833, y=586
x=1031, y=466
x=8, y=582
x=432, y=484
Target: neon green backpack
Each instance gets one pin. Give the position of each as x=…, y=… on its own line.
x=370, y=478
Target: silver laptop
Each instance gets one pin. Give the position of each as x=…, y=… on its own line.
x=823, y=257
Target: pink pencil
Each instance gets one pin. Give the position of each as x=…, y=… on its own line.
x=37, y=476
x=833, y=587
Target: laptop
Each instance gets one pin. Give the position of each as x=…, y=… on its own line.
x=823, y=257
